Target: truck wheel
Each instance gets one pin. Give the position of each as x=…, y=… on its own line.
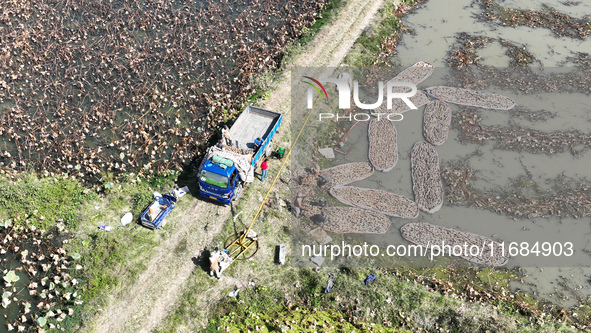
x=269, y=150
x=237, y=193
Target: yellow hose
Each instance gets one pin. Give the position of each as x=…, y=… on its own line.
x=243, y=236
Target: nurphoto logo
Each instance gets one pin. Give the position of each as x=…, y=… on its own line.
x=344, y=91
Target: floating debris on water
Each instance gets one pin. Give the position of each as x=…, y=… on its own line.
x=469, y=97
x=559, y=23
x=383, y=149
x=345, y=174
x=464, y=51
x=525, y=80
x=437, y=122
x=519, y=54
x=473, y=247
x=426, y=179
x=470, y=127
x=92, y=87
x=351, y=220
x=569, y=197
x=376, y=200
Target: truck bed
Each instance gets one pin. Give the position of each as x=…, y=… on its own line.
x=253, y=123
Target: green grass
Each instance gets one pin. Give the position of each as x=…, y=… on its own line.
x=293, y=299
x=111, y=257
x=42, y=201
x=108, y=259
x=327, y=14
x=258, y=309
x=374, y=43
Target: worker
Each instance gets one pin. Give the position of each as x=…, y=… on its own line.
x=257, y=144
x=214, y=268
x=315, y=169
x=227, y=136
x=264, y=170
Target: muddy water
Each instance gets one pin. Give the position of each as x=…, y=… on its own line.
x=436, y=23
x=575, y=8
x=146, y=96
x=435, y=26
x=495, y=169
x=45, y=276
x=563, y=280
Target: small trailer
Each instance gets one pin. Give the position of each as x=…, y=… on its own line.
x=154, y=216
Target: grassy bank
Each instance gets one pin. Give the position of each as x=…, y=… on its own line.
x=378, y=43
x=294, y=300
x=42, y=202
x=107, y=258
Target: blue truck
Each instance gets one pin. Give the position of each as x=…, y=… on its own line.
x=230, y=164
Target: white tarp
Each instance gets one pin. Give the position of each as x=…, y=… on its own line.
x=326, y=152
x=242, y=162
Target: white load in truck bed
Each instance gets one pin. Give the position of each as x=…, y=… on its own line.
x=253, y=123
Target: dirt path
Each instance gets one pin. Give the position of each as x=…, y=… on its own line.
x=148, y=301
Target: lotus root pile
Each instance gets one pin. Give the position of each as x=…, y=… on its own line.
x=383, y=150
x=346, y=220
x=399, y=106
x=426, y=179
x=346, y=174
x=376, y=200
x=416, y=73
x=469, y=97
x=437, y=122
x=427, y=235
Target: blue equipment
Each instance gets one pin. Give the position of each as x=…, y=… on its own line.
x=154, y=216
x=369, y=279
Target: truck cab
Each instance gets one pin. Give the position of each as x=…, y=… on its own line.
x=219, y=182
